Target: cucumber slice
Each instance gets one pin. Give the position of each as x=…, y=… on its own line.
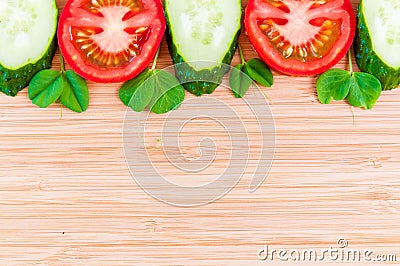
x=377, y=44
x=27, y=44
x=205, y=31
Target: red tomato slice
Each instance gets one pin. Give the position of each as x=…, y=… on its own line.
x=300, y=37
x=110, y=40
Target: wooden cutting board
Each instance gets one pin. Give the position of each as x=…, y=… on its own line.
x=67, y=196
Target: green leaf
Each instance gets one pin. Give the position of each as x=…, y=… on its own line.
x=75, y=95
x=333, y=84
x=259, y=72
x=239, y=81
x=169, y=93
x=45, y=87
x=364, y=91
x=138, y=92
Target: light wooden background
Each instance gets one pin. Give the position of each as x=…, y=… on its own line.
x=67, y=197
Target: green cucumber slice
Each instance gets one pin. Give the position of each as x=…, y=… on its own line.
x=377, y=44
x=27, y=44
x=203, y=36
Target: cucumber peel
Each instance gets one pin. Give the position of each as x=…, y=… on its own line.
x=377, y=44
x=202, y=37
x=28, y=42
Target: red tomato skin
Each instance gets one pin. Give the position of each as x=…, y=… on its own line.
x=74, y=59
x=289, y=67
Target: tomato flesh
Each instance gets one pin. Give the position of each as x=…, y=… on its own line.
x=300, y=37
x=110, y=40
x=313, y=45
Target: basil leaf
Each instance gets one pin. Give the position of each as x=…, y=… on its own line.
x=169, y=92
x=239, y=81
x=75, y=95
x=138, y=92
x=45, y=87
x=364, y=91
x=333, y=84
x=259, y=72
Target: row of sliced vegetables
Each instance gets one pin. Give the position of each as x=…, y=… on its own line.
x=109, y=41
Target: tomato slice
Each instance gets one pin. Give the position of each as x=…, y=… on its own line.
x=110, y=40
x=300, y=37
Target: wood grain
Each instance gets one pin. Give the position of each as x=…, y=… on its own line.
x=67, y=196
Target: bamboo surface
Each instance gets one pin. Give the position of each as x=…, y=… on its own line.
x=67, y=196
